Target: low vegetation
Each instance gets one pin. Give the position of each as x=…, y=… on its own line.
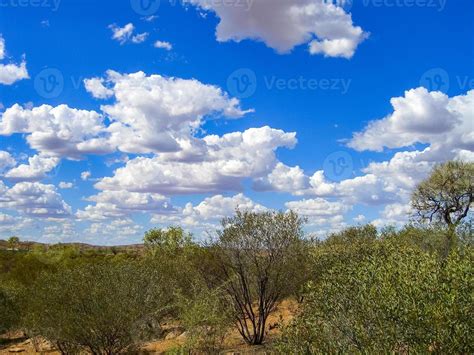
x=361, y=290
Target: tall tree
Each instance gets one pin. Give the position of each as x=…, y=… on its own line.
x=258, y=255
x=446, y=196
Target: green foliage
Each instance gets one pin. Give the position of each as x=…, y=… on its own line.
x=351, y=245
x=9, y=312
x=101, y=308
x=393, y=297
x=168, y=240
x=446, y=196
x=206, y=319
x=13, y=242
x=259, y=256
x=173, y=255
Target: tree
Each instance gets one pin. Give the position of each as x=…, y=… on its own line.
x=166, y=240
x=102, y=308
x=258, y=256
x=446, y=197
x=13, y=242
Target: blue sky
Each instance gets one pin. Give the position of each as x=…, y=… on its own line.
x=180, y=112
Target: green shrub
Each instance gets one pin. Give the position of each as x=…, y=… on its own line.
x=397, y=298
x=9, y=310
x=206, y=319
x=101, y=308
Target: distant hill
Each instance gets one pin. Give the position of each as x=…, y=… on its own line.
x=27, y=245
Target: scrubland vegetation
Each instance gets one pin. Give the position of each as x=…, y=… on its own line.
x=361, y=290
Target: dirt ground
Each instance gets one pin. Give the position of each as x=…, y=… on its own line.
x=16, y=342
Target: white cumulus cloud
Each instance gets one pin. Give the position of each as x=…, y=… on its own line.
x=11, y=73
x=224, y=163
x=34, y=199
x=36, y=169
x=163, y=45
x=284, y=24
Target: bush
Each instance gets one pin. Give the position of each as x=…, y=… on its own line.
x=351, y=245
x=9, y=311
x=395, y=298
x=99, y=308
x=206, y=320
x=171, y=252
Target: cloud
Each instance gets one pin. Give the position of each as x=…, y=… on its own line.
x=432, y=118
x=60, y=231
x=421, y=117
x=114, y=204
x=122, y=34
x=222, y=165
x=150, y=114
x=164, y=45
x=317, y=207
x=10, y=225
x=116, y=232
x=150, y=18
x=34, y=199
x=283, y=178
x=217, y=207
x=139, y=38
x=283, y=25
x=2, y=47
x=6, y=219
x=85, y=175
x=320, y=212
x=57, y=131
x=36, y=169
x=359, y=218
x=208, y=213
x=96, y=87
x=158, y=114
x=126, y=34
x=11, y=73
x=396, y=214
x=6, y=161
x=65, y=185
